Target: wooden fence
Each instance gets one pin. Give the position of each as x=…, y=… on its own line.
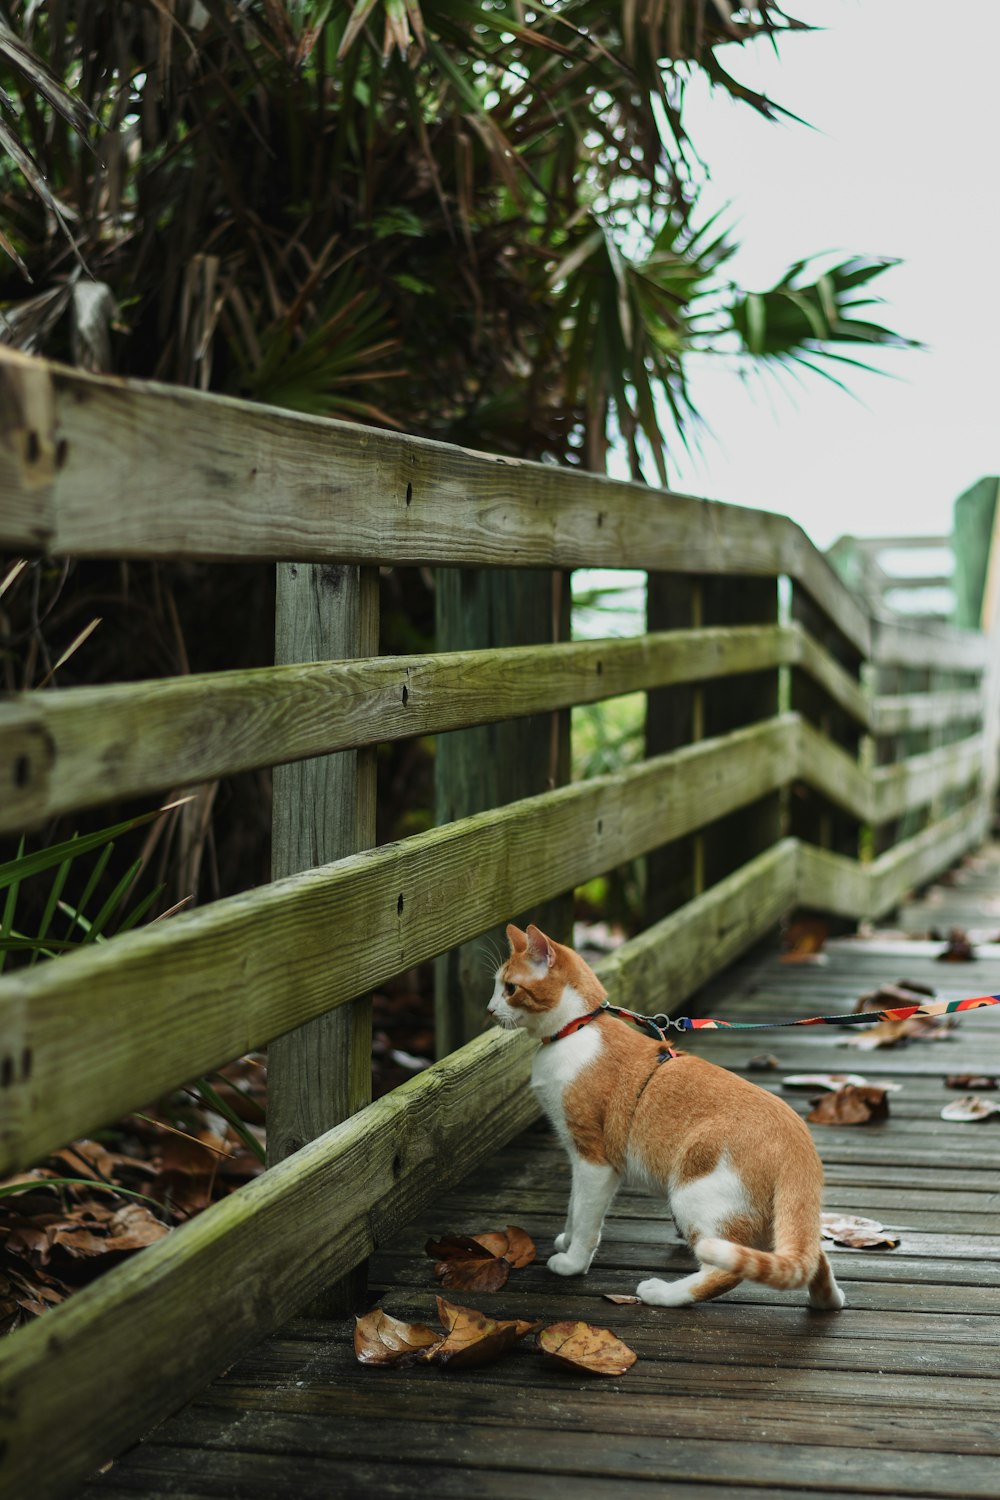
x=801, y=755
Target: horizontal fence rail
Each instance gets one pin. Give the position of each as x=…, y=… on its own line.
x=108, y=468
x=809, y=755
x=174, y=1000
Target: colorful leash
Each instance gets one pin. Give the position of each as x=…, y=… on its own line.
x=855, y=1018
x=658, y=1026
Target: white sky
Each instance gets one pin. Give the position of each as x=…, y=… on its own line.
x=902, y=161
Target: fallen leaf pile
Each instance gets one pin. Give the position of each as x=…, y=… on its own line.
x=970, y=1109
x=87, y=1206
x=471, y=1338
x=856, y=1233
x=480, y=1262
x=853, y=1104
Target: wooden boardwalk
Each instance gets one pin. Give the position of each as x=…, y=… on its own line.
x=897, y=1395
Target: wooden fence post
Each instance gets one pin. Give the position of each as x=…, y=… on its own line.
x=324, y=809
x=493, y=764
x=674, y=717
x=735, y=839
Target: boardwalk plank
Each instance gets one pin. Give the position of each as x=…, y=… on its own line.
x=895, y=1396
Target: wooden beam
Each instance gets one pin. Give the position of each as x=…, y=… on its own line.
x=162, y=471
x=917, y=781
x=154, y=1329
x=831, y=882
x=61, y=751
x=245, y=1265
x=930, y=852
x=30, y=453
x=844, y=689
x=905, y=712
x=107, y=1028
x=942, y=646
x=832, y=771
x=667, y=962
x=323, y=810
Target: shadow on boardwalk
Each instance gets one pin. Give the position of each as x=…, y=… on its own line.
x=897, y=1395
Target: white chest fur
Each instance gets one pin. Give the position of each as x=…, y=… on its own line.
x=557, y=1066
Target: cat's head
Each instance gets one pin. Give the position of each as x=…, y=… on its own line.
x=542, y=984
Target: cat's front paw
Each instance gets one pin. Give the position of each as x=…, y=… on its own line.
x=562, y=1241
x=565, y=1265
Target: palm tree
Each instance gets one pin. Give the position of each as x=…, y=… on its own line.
x=472, y=220
x=475, y=221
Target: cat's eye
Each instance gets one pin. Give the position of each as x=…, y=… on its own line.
x=509, y=989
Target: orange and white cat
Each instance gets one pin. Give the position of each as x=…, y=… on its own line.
x=737, y=1165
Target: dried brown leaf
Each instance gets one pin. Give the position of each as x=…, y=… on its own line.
x=959, y=949
x=763, y=1062
x=969, y=1109
x=804, y=940
x=581, y=1346
x=383, y=1340
x=850, y=1105
x=856, y=1233
x=822, y=1080
x=458, y=1247
x=472, y=1338
x=480, y=1262
x=892, y=996
x=487, y=1275
x=623, y=1299
x=519, y=1248
x=971, y=1082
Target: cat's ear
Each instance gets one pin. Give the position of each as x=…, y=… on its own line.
x=517, y=939
x=540, y=948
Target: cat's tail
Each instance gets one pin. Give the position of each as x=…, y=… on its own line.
x=785, y=1269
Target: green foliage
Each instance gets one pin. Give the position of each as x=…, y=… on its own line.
x=475, y=221
x=57, y=861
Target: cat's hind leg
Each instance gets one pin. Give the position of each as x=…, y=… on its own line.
x=687, y=1290
x=824, y=1292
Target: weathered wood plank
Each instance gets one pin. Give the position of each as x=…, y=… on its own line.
x=252, y=1259
x=917, y=781
x=205, y=476
x=698, y=1415
x=669, y=961
x=849, y=694
x=831, y=882
x=946, y=647
x=29, y=453
x=62, y=751
x=882, y=794
x=830, y=770
x=579, y=1454
x=189, y=1474
x=323, y=810
x=173, y=1000
x=905, y=712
